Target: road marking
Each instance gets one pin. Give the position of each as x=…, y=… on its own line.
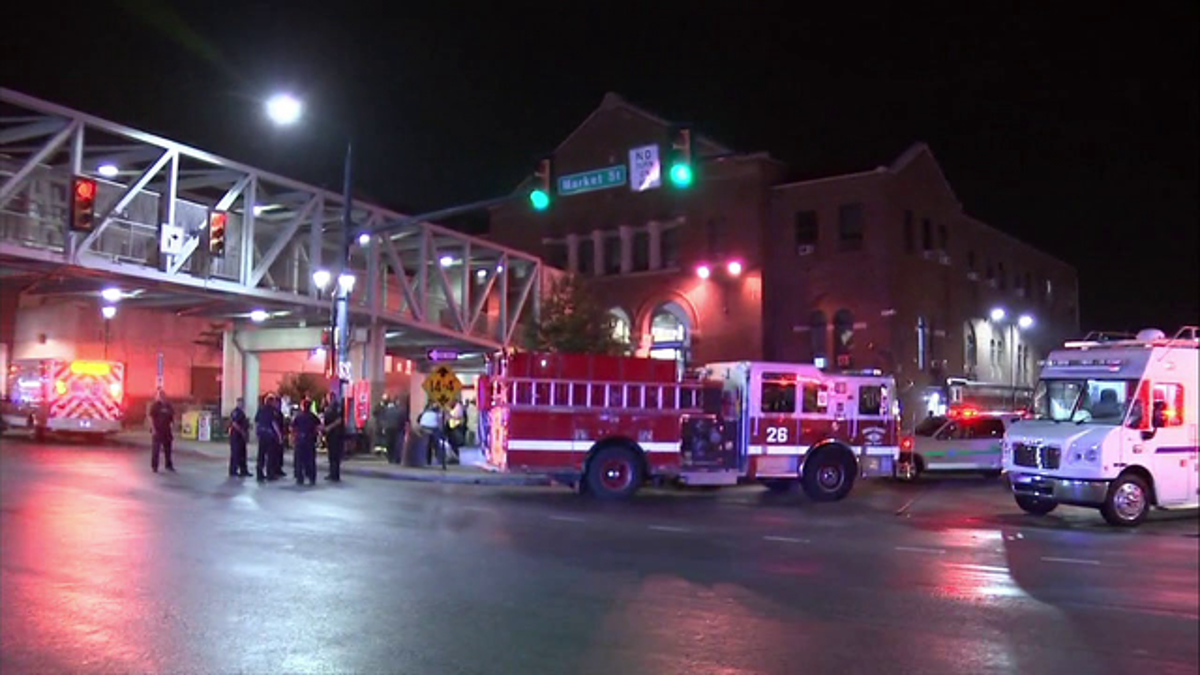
x=568, y=519
x=786, y=540
x=1071, y=561
x=667, y=528
x=920, y=549
x=979, y=568
x=470, y=507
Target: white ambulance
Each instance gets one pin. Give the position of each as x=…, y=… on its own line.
x=1114, y=428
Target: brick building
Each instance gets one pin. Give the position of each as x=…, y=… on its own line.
x=878, y=269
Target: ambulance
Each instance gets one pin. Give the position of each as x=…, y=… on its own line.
x=1113, y=428
x=65, y=396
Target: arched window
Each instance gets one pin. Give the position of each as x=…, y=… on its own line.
x=819, y=336
x=670, y=333
x=971, y=358
x=922, y=343
x=621, y=326
x=843, y=338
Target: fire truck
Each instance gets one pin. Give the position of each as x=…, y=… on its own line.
x=61, y=396
x=608, y=424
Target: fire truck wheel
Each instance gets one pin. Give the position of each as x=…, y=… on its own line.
x=1034, y=505
x=1127, y=501
x=829, y=475
x=614, y=472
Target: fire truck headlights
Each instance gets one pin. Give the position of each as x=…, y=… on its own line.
x=114, y=390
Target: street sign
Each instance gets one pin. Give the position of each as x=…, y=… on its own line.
x=172, y=239
x=159, y=379
x=645, y=170
x=442, y=355
x=442, y=386
x=596, y=179
x=344, y=368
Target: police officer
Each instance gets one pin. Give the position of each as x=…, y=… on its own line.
x=335, y=436
x=239, y=435
x=268, y=437
x=305, y=427
x=275, y=468
x=161, y=417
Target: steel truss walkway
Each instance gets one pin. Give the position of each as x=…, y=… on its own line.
x=428, y=285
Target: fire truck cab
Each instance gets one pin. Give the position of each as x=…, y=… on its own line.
x=1114, y=428
x=608, y=424
x=65, y=396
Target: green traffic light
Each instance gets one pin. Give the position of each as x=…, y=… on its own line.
x=681, y=175
x=539, y=199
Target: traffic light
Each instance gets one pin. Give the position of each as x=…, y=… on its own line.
x=680, y=172
x=83, y=204
x=216, y=233
x=539, y=196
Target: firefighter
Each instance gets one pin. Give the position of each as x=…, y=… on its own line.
x=161, y=417
x=275, y=468
x=268, y=431
x=239, y=434
x=335, y=438
x=305, y=427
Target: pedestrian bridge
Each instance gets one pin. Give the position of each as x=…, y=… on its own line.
x=419, y=286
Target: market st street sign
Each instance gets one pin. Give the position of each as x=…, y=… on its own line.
x=596, y=179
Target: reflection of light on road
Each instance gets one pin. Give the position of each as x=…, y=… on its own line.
x=77, y=571
x=974, y=582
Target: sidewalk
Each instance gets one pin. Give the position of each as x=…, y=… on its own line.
x=369, y=466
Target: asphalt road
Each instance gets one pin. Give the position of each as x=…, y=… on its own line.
x=109, y=568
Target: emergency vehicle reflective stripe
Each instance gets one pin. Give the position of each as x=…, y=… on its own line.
x=884, y=450
x=529, y=444
x=85, y=394
x=778, y=449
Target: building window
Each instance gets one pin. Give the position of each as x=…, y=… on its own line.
x=843, y=338
x=943, y=238
x=1002, y=276
x=922, y=343
x=621, y=326
x=641, y=251
x=556, y=255
x=850, y=227
x=612, y=255
x=971, y=357
x=1028, y=284
x=1049, y=297
x=586, y=258
x=670, y=333
x=806, y=229
x=819, y=334
x=926, y=234
x=910, y=233
x=991, y=273
x=670, y=247
x=970, y=261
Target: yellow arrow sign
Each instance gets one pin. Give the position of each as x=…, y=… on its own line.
x=442, y=386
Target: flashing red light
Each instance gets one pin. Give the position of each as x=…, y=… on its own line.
x=734, y=267
x=703, y=271
x=906, y=443
x=83, y=205
x=85, y=189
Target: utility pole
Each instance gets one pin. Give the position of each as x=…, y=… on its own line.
x=340, y=328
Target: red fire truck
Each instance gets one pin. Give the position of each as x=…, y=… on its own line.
x=58, y=395
x=608, y=424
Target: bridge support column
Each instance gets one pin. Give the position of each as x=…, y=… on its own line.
x=250, y=368
x=373, y=360
x=233, y=374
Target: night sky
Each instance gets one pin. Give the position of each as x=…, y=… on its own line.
x=1072, y=128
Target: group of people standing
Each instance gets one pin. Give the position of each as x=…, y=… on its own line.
x=307, y=427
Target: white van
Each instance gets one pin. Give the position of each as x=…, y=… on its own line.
x=1114, y=428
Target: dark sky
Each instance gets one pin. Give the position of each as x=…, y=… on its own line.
x=1074, y=127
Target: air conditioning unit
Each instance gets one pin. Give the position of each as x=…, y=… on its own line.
x=973, y=276
x=805, y=249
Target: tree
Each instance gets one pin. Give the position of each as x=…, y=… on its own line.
x=296, y=386
x=573, y=321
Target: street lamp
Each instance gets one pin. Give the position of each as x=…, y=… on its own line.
x=284, y=110
x=258, y=315
x=1023, y=322
x=108, y=312
x=111, y=294
x=321, y=279
x=998, y=314
x=108, y=170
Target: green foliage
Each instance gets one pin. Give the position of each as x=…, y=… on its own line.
x=573, y=321
x=298, y=385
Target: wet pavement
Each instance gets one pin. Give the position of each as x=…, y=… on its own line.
x=109, y=568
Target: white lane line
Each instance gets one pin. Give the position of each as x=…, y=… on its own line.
x=568, y=519
x=786, y=540
x=920, y=549
x=1071, y=561
x=667, y=528
x=471, y=507
x=979, y=568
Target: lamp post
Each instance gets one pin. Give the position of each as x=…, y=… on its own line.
x=285, y=110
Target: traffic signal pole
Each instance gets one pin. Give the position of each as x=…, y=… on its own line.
x=340, y=314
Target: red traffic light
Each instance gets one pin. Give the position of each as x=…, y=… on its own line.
x=85, y=188
x=83, y=204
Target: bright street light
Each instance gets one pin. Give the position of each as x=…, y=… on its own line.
x=111, y=294
x=735, y=268
x=258, y=315
x=481, y=274
x=446, y=261
x=108, y=170
x=346, y=282
x=284, y=109
x=321, y=278
x=364, y=239
x=998, y=314
x=1025, y=321
x=703, y=271
x=108, y=311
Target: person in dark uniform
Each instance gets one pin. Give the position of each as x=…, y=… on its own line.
x=275, y=470
x=305, y=428
x=268, y=437
x=239, y=435
x=335, y=438
x=161, y=417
